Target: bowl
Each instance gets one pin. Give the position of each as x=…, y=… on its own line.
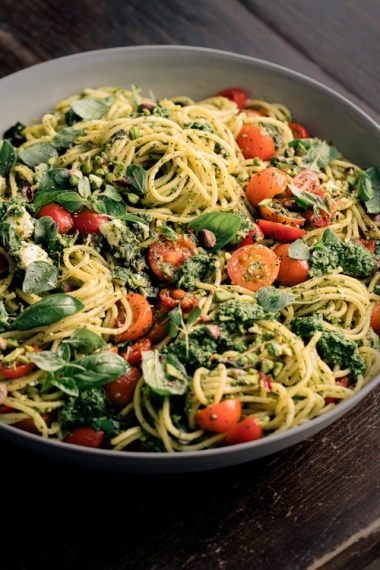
x=198, y=73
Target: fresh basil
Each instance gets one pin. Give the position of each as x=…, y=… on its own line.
x=329, y=237
x=92, y=109
x=166, y=379
x=138, y=177
x=4, y=318
x=174, y=321
x=273, y=300
x=299, y=250
x=67, y=385
x=40, y=277
x=55, y=179
x=194, y=315
x=63, y=351
x=7, y=158
x=315, y=153
x=373, y=205
x=9, y=238
x=135, y=220
x=98, y=369
x=365, y=188
x=85, y=341
x=48, y=311
x=45, y=230
x=113, y=208
x=40, y=152
x=112, y=193
x=223, y=225
x=306, y=199
x=84, y=187
x=47, y=360
x=71, y=201
x=65, y=137
x=169, y=233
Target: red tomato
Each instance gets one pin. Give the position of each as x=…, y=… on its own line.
x=142, y=318
x=234, y=94
x=306, y=180
x=166, y=256
x=114, y=349
x=171, y=298
x=157, y=333
x=87, y=222
x=86, y=437
x=375, y=217
x=253, y=113
x=266, y=184
x=3, y=263
x=254, y=141
x=368, y=243
x=5, y=409
x=29, y=425
x=15, y=369
x=341, y=382
x=252, y=237
x=292, y=271
x=120, y=392
x=220, y=417
x=280, y=231
x=299, y=132
x=279, y=216
x=63, y=218
x=249, y=429
x=133, y=354
x=375, y=318
x=253, y=267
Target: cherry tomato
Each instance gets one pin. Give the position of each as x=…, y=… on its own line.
x=15, y=369
x=5, y=409
x=249, y=429
x=375, y=217
x=87, y=222
x=266, y=184
x=171, y=298
x=323, y=218
x=3, y=263
x=220, y=417
x=299, y=132
x=58, y=214
x=280, y=231
x=281, y=215
x=86, y=437
x=166, y=256
x=120, y=392
x=341, y=382
x=253, y=113
x=254, y=141
x=29, y=425
x=133, y=354
x=375, y=318
x=234, y=94
x=114, y=349
x=157, y=332
x=306, y=180
x=253, y=267
x=142, y=318
x=252, y=237
x=368, y=243
x=292, y=271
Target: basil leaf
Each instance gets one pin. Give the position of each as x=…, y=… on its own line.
x=169, y=233
x=4, y=318
x=84, y=187
x=273, y=300
x=194, y=315
x=48, y=311
x=47, y=360
x=155, y=376
x=138, y=177
x=40, y=276
x=176, y=316
x=67, y=385
x=307, y=199
x=65, y=137
x=136, y=220
x=98, y=369
x=111, y=192
x=55, y=179
x=40, y=152
x=63, y=351
x=373, y=205
x=315, y=153
x=85, y=341
x=7, y=158
x=223, y=225
x=45, y=230
x=97, y=205
x=70, y=200
x=92, y=109
x=114, y=208
x=365, y=189
x=299, y=250
x=329, y=238
x=9, y=238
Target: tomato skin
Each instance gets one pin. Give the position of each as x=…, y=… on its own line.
x=142, y=318
x=10, y=373
x=58, y=214
x=254, y=141
x=242, y=259
x=299, y=132
x=133, y=354
x=272, y=215
x=220, y=417
x=292, y=271
x=171, y=298
x=375, y=318
x=247, y=430
x=157, y=332
x=120, y=392
x=252, y=237
x=166, y=256
x=234, y=94
x=266, y=184
x=3, y=263
x=280, y=231
x=86, y=437
x=87, y=222
x=29, y=425
x=306, y=180
x=5, y=409
x=341, y=382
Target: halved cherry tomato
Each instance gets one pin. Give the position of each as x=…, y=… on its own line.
x=6, y=409
x=86, y=437
x=253, y=267
x=87, y=222
x=292, y=271
x=249, y=429
x=299, y=132
x=142, y=318
x=171, y=298
x=58, y=214
x=280, y=215
x=157, y=333
x=280, y=231
x=3, y=263
x=114, y=349
x=220, y=417
x=234, y=94
x=252, y=237
x=266, y=184
x=306, y=180
x=15, y=369
x=323, y=218
x=375, y=318
x=253, y=113
x=368, y=243
x=340, y=382
x=120, y=392
x=133, y=354
x=29, y=425
x=254, y=141
x=166, y=256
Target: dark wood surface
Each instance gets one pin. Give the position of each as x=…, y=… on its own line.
x=315, y=505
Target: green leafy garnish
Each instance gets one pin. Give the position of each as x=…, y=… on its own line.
x=299, y=250
x=85, y=341
x=65, y=137
x=373, y=204
x=48, y=311
x=138, y=177
x=40, y=277
x=223, y=225
x=167, y=378
x=92, y=109
x=45, y=230
x=7, y=158
x=40, y=152
x=273, y=300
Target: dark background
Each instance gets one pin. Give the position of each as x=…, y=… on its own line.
x=315, y=505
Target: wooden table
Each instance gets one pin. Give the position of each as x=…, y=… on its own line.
x=315, y=505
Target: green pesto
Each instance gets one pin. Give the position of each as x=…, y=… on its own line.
x=355, y=259
x=194, y=269
x=239, y=316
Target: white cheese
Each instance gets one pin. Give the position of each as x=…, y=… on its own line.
x=22, y=225
x=113, y=231
x=30, y=253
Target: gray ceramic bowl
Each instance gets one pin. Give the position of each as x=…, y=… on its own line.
x=198, y=73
